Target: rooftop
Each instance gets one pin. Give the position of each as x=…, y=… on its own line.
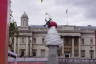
x=81, y=27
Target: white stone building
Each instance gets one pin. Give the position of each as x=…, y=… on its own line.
x=78, y=41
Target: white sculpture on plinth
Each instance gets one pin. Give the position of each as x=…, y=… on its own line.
x=53, y=41
x=52, y=37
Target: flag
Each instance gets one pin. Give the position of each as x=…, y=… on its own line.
x=41, y=1
x=66, y=11
x=46, y=13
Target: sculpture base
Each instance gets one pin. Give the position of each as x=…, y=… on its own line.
x=52, y=57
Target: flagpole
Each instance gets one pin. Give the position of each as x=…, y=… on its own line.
x=67, y=23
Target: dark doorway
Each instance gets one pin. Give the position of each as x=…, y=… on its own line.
x=67, y=55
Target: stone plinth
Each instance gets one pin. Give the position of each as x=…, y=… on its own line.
x=52, y=57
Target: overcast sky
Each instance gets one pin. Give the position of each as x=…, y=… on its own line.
x=80, y=12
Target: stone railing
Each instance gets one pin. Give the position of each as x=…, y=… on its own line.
x=44, y=61
x=76, y=61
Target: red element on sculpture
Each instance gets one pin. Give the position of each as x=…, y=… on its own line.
x=52, y=23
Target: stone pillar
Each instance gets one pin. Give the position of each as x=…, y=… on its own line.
x=38, y=42
x=31, y=49
x=52, y=56
x=72, y=47
x=63, y=50
x=30, y=46
x=15, y=41
x=18, y=45
x=27, y=46
x=63, y=47
x=79, y=47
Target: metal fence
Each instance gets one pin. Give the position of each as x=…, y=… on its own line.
x=76, y=61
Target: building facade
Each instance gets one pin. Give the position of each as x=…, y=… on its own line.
x=78, y=41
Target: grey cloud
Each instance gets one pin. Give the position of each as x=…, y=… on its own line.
x=82, y=11
x=89, y=6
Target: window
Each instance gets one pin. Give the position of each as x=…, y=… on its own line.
x=22, y=39
x=22, y=52
x=82, y=53
x=82, y=41
x=34, y=41
x=42, y=40
x=76, y=52
x=91, y=53
x=91, y=41
x=42, y=52
x=67, y=41
x=76, y=40
x=59, y=51
x=34, y=52
x=29, y=38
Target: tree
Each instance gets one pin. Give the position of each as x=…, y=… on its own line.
x=13, y=31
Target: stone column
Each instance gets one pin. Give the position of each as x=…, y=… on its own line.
x=15, y=41
x=31, y=49
x=27, y=46
x=63, y=47
x=79, y=47
x=18, y=45
x=63, y=50
x=38, y=42
x=31, y=46
x=72, y=47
